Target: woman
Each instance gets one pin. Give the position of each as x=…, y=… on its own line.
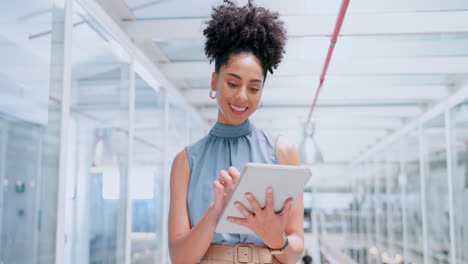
x=245, y=43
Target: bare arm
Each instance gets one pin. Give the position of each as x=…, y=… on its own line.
x=187, y=244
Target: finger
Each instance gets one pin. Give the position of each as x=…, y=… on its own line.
x=235, y=174
x=225, y=177
x=239, y=221
x=244, y=211
x=270, y=202
x=218, y=187
x=286, y=207
x=254, y=203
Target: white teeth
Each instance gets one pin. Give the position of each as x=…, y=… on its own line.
x=237, y=108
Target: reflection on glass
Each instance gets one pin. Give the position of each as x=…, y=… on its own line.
x=178, y=137
x=413, y=197
x=362, y=215
x=436, y=189
x=29, y=129
x=98, y=147
x=372, y=215
x=460, y=179
x=395, y=223
x=146, y=178
x=382, y=201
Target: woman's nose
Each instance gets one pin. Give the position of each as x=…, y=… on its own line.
x=242, y=94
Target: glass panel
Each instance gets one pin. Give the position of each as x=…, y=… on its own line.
x=395, y=223
x=382, y=199
x=146, y=180
x=372, y=239
x=377, y=204
x=177, y=129
x=30, y=128
x=365, y=204
x=460, y=179
x=413, y=219
x=20, y=141
x=436, y=188
x=177, y=139
x=354, y=214
x=362, y=214
x=98, y=141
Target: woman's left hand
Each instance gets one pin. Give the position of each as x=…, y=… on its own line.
x=267, y=225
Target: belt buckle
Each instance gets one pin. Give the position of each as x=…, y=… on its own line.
x=244, y=254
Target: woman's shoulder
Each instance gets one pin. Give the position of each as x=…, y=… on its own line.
x=271, y=137
x=287, y=152
x=180, y=160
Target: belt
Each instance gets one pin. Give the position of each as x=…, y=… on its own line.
x=239, y=254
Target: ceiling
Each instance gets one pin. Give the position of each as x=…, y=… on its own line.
x=393, y=60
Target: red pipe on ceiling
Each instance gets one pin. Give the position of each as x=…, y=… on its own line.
x=334, y=39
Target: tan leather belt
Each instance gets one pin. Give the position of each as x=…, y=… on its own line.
x=239, y=254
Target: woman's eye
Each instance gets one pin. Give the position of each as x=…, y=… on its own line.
x=254, y=89
x=232, y=84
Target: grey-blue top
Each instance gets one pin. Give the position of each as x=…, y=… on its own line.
x=223, y=147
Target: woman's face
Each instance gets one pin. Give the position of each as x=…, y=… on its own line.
x=238, y=87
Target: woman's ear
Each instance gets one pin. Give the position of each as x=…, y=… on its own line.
x=214, y=79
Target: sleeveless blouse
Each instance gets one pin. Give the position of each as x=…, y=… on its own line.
x=223, y=147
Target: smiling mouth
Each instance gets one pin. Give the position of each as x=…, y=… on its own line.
x=238, y=110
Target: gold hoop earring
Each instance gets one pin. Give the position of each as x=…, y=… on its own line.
x=260, y=105
x=212, y=96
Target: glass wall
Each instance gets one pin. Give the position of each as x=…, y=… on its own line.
x=417, y=184
x=98, y=146
x=31, y=90
x=381, y=198
x=459, y=148
x=413, y=205
x=95, y=194
x=178, y=132
x=436, y=190
x=371, y=221
x=146, y=181
x=395, y=223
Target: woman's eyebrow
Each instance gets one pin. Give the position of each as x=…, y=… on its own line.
x=240, y=78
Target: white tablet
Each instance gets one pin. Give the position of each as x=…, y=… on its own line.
x=286, y=182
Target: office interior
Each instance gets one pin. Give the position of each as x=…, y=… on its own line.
x=97, y=97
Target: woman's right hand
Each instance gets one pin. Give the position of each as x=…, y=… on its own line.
x=223, y=188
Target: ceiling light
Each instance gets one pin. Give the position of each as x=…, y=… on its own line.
x=309, y=151
x=103, y=153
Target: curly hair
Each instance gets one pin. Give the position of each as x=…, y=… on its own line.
x=253, y=29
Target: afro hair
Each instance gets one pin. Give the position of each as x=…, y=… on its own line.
x=234, y=29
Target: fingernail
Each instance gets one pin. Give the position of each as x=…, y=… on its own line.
x=270, y=189
x=248, y=195
x=237, y=204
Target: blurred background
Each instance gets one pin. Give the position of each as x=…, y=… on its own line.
x=97, y=97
